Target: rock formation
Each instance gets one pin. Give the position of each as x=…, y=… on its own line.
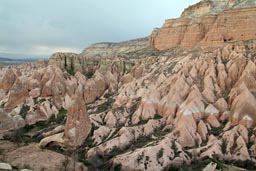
x=114, y=49
x=128, y=106
x=208, y=25
x=32, y=157
x=78, y=125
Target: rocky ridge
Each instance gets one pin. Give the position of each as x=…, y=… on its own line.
x=207, y=28
x=108, y=49
x=138, y=109
x=215, y=7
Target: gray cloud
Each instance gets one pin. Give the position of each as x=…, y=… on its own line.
x=38, y=28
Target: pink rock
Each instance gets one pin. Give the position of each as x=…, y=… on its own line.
x=78, y=125
x=35, y=92
x=202, y=129
x=213, y=121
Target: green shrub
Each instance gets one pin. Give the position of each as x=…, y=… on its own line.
x=88, y=75
x=2, y=105
x=143, y=122
x=71, y=70
x=175, y=149
x=225, y=61
x=160, y=153
x=107, y=95
x=105, y=106
x=216, y=131
x=62, y=111
x=61, y=117
x=159, y=133
x=224, y=146
x=157, y=116
x=23, y=111
x=133, y=108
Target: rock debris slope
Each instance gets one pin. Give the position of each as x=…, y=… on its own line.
x=175, y=105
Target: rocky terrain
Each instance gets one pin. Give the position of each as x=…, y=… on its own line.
x=133, y=106
x=115, y=49
x=207, y=24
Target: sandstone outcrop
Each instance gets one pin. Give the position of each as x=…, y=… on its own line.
x=37, y=159
x=7, y=80
x=113, y=49
x=46, y=99
x=125, y=106
x=165, y=153
x=93, y=89
x=214, y=7
x=209, y=27
x=78, y=125
x=88, y=65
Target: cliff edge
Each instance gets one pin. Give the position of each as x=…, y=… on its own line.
x=208, y=24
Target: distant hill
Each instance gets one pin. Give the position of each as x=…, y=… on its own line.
x=9, y=61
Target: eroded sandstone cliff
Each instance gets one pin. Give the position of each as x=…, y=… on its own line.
x=173, y=108
x=125, y=106
x=211, y=27
x=108, y=49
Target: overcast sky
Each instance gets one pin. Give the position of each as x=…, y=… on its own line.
x=37, y=28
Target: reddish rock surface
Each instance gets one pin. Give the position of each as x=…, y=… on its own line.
x=17, y=94
x=33, y=157
x=8, y=80
x=78, y=125
x=207, y=30
x=145, y=109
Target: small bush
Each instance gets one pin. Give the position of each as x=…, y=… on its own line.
x=157, y=116
x=71, y=71
x=88, y=75
x=108, y=95
x=175, y=149
x=2, y=105
x=159, y=133
x=62, y=111
x=24, y=110
x=85, y=162
x=118, y=167
x=224, y=146
x=101, y=108
x=216, y=131
x=56, y=149
x=61, y=117
x=105, y=106
x=225, y=61
x=133, y=108
x=160, y=153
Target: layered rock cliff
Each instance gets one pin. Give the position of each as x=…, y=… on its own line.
x=208, y=25
x=103, y=57
x=125, y=106
x=88, y=65
x=108, y=49
x=215, y=7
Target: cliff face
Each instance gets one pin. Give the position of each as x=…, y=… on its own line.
x=125, y=106
x=102, y=56
x=233, y=25
x=112, y=49
x=215, y=7
x=88, y=65
x=210, y=30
